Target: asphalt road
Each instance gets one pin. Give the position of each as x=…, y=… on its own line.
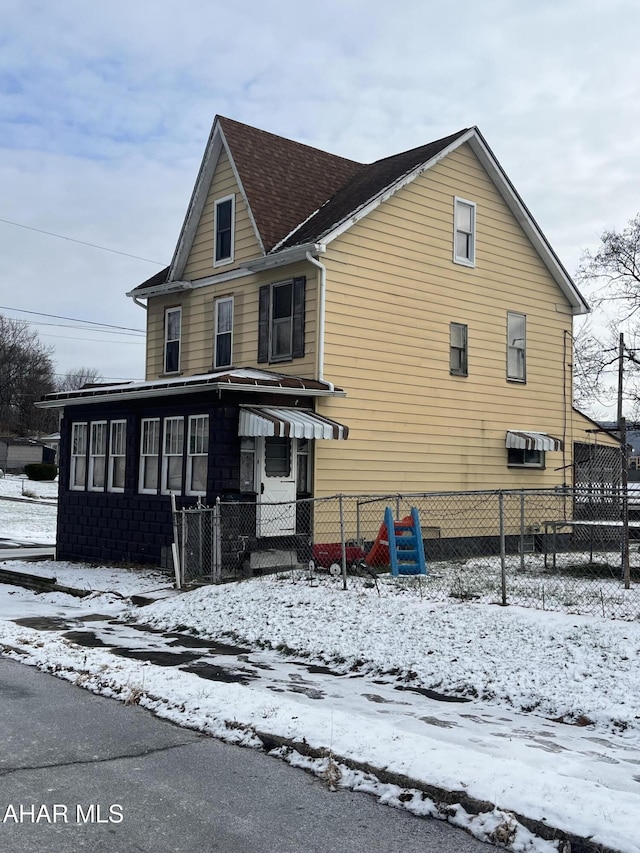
x=158, y=788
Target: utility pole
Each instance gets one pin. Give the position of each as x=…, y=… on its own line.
x=624, y=480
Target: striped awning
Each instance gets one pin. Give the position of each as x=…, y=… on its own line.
x=288, y=423
x=521, y=440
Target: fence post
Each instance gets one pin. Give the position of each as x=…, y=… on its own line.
x=343, y=544
x=522, y=530
x=176, y=543
x=503, y=549
x=216, y=569
x=183, y=559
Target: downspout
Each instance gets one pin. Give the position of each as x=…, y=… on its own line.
x=141, y=304
x=321, y=313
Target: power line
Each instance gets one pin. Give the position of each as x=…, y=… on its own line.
x=71, y=319
x=81, y=242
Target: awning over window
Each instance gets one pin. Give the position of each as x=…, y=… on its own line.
x=288, y=423
x=532, y=440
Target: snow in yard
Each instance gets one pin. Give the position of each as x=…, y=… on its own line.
x=550, y=729
x=28, y=510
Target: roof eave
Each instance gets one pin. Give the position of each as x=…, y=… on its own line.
x=151, y=393
x=284, y=257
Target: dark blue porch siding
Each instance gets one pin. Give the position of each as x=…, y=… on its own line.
x=117, y=527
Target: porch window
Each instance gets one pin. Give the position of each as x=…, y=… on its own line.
x=172, y=335
x=281, y=321
x=516, y=346
x=224, y=332
x=197, y=454
x=277, y=456
x=97, y=455
x=224, y=214
x=172, y=451
x=78, y=473
x=247, y=464
x=303, y=466
x=149, y=455
x=117, y=456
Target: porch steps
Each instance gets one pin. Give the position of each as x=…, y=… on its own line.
x=406, y=548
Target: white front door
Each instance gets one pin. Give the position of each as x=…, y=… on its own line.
x=277, y=487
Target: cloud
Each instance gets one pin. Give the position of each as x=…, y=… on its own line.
x=106, y=108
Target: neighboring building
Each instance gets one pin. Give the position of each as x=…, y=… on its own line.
x=15, y=453
x=412, y=304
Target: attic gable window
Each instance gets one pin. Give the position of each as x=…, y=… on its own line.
x=516, y=347
x=224, y=215
x=172, y=335
x=464, y=238
x=281, y=321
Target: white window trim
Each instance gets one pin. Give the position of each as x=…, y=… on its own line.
x=93, y=456
x=191, y=456
x=215, y=340
x=164, y=470
x=521, y=379
x=113, y=456
x=141, y=489
x=167, y=311
x=274, y=359
x=224, y=261
x=457, y=259
x=76, y=456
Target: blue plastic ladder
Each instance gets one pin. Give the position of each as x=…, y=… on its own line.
x=406, y=548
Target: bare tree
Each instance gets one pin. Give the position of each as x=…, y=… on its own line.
x=612, y=275
x=26, y=374
x=77, y=378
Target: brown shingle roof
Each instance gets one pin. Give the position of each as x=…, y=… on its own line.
x=365, y=186
x=285, y=181
x=297, y=193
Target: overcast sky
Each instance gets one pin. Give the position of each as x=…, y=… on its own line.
x=105, y=109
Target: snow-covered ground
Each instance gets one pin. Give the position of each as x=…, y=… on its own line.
x=551, y=728
x=30, y=514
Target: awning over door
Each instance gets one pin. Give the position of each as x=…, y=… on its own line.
x=532, y=440
x=288, y=423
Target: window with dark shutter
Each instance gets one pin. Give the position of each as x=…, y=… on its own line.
x=281, y=321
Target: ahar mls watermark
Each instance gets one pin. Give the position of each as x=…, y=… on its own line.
x=61, y=813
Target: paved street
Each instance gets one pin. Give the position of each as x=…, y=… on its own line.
x=156, y=787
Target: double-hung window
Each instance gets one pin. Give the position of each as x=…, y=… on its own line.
x=224, y=332
x=464, y=237
x=172, y=336
x=516, y=346
x=458, y=349
x=517, y=458
x=224, y=214
x=78, y=472
x=97, y=455
x=281, y=321
x=149, y=455
x=172, y=450
x=197, y=450
x=117, y=456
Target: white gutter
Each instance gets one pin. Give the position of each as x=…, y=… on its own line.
x=321, y=315
x=159, y=289
x=286, y=256
x=141, y=304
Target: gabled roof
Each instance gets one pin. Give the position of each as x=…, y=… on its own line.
x=284, y=181
x=299, y=197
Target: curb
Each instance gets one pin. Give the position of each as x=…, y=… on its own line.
x=569, y=843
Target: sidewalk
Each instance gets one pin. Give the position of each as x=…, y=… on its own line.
x=579, y=780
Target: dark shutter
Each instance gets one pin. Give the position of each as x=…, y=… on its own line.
x=263, y=323
x=298, y=317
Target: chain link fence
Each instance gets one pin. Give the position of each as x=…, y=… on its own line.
x=555, y=550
